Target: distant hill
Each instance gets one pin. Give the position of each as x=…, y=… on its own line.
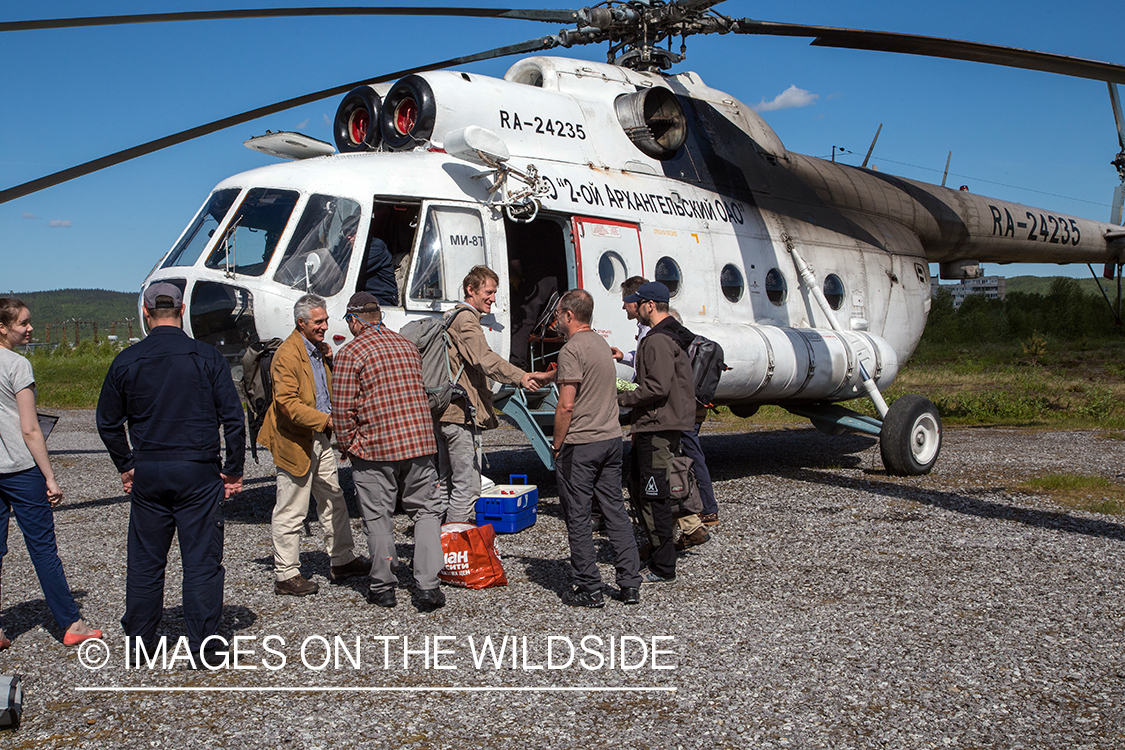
x=86, y=305
x=1042, y=284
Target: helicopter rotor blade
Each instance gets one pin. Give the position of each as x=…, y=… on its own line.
x=549, y=16
x=928, y=46
x=42, y=183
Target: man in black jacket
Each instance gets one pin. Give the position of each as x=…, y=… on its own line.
x=174, y=393
x=663, y=406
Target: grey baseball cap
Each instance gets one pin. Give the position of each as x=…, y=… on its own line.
x=163, y=289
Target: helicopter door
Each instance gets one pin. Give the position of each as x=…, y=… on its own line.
x=608, y=252
x=451, y=242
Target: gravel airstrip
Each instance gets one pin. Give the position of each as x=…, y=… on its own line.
x=835, y=607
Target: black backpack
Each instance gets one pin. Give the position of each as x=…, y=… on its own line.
x=257, y=386
x=707, y=365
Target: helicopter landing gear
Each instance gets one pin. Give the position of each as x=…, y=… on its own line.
x=910, y=440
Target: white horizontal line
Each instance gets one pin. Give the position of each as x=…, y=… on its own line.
x=330, y=689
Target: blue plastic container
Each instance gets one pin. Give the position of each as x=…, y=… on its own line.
x=509, y=507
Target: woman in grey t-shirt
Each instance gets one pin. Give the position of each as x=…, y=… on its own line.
x=27, y=484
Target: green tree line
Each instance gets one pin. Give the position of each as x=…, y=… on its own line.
x=1065, y=312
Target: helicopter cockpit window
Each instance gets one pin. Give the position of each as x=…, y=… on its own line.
x=191, y=245
x=834, y=291
x=731, y=281
x=316, y=259
x=452, y=243
x=776, y=288
x=611, y=270
x=668, y=274
x=253, y=233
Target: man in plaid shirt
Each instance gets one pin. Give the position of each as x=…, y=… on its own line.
x=383, y=424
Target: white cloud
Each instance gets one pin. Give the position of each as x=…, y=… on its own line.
x=28, y=215
x=791, y=98
x=302, y=124
x=57, y=223
x=327, y=120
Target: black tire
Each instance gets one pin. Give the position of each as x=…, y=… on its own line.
x=910, y=440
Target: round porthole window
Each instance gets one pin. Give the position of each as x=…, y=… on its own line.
x=731, y=282
x=668, y=274
x=776, y=288
x=834, y=291
x=611, y=270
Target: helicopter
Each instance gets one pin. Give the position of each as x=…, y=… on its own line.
x=813, y=275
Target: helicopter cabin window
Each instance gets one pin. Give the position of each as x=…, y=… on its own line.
x=452, y=243
x=834, y=291
x=730, y=279
x=386, y=257
x=668, y=274
x=611, y=270
x=316, y=260
x=191, y=245
x=253, y=233
x=776, y=288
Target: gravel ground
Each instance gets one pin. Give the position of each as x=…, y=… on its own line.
x=834, y=607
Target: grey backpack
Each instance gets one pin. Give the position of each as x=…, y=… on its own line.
x=11, y=701
x=431, y=336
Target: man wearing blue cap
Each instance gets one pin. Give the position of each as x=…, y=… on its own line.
x=663, y=406
x=174, y=393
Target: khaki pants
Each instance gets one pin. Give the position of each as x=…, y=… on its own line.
x=292, y=505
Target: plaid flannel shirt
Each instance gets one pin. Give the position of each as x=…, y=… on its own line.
x=379, y=407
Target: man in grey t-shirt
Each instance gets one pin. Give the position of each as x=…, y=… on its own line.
x=587, y=441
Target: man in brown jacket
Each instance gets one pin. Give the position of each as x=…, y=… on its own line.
x=296, y=430
x=663, y=406
x=458, y=428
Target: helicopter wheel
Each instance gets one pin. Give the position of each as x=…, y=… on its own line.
x=910, y=440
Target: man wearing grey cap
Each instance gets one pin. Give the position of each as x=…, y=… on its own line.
x=174, y=393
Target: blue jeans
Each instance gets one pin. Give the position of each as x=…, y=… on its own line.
x=24, y=493
x=689, y=443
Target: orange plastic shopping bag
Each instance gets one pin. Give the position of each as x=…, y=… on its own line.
x=471, y=559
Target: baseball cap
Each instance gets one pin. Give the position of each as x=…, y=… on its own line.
x=653, y=290
x=363, y=302
x=163, y=289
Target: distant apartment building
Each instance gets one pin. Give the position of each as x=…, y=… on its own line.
x=991, y=287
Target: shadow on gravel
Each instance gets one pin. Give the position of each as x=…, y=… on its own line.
x=20, y=618
x=970, y=506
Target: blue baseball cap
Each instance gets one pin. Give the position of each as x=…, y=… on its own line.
x=652, y=290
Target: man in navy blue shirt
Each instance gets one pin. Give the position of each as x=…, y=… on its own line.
x=174, y=393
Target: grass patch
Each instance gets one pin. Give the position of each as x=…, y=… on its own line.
x=1080, y=491
x=72, y=378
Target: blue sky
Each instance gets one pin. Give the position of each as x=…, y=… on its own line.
x=73, y=95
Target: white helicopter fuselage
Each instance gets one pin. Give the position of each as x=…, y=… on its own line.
x=726, y=221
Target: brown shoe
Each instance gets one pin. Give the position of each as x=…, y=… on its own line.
x=709, y=519
x=360, y=566
x=694, y=539
x=298, y=585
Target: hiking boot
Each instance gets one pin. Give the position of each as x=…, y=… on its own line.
x=427, y=600
x=360, y=566
x=385, y=599
x=694, y=539
x=576, y=597
x=630, y=595
x=298, y=585
x=648, y=577
x=709, y=519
